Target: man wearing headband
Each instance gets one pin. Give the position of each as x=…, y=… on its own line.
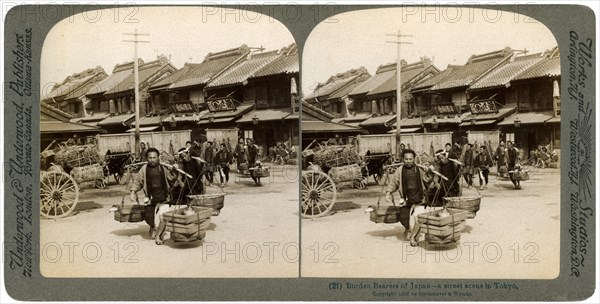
x=450, y=170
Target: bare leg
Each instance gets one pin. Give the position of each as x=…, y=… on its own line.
x=158, y=239
x=414, y=237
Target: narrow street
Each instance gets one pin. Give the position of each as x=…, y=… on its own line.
x=255, y=235
x=514, y=235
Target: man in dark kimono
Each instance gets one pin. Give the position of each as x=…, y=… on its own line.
x=252, y=158
x=512, y=156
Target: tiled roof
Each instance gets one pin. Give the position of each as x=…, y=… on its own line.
x=410, y=122
x=378, y=120
x=334, y=83
x=116, y=120
x=74, y=82
x=91, y=118
x=431, y=81
x=144, y=73
x=353, y=118
x=448, y=119
x=506, y=72
x=54, y=112
x=147, y=121
x=243, y=70
x=185, y=117
x=85, y=87
x=240, y=110
x=548, y=67
x=65, y=127
x=266, y=114
x=527, y=118
x=167, y=81
x=109, y=82
x=384, y=73
x=211, y=66
x=144, y=129
x=287, y=64
x=390, y=84
x=475, y=67
x=316, y=126
x=306, y=105
x=503, y=112
x=344, y=91
x=408, y=73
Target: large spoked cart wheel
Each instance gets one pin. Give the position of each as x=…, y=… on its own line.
x=59, y=194
x=318, y=194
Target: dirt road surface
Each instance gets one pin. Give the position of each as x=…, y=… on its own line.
x=256, y=235
x=514, y=235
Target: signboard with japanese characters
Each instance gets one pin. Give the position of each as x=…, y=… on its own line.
x=483, y=107
x=221, y=104
x=445, y=109
x=183, y=107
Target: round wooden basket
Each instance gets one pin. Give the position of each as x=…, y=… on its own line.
x=470, y=204
x=215, y=201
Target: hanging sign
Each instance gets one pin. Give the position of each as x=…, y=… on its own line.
x=483, y=107
x=221, y=104
x=445, y=109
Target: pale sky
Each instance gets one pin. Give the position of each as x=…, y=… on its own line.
x=355, y=39
x=185, y=33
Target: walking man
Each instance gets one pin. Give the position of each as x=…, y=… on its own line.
x=483, y=162
x=252, y=158
x=468, y=161
x=155, y=181
x=209, y=166
x=412, y=183
x=513, y=160
x=223, y=159
x=451, y=171
x=193, y=167
x=500, y=157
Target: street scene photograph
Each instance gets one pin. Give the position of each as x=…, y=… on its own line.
x=169, y=145
x=430, y=146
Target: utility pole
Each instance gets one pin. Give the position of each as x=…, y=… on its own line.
x=136, y=88
x=398, y=43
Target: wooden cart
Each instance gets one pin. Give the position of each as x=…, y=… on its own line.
x=59, y=194
x=321, y=181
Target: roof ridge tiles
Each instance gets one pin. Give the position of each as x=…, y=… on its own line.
x=490, y=55
x=243, y=49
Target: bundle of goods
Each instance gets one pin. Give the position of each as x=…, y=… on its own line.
x=335, y=156
x=261, y=171
x=424, y=159
x=345, y=173
x=442, y=226
x=77, y=156
x=292, y=161
x=48, y=153
x=87, y=173
x=503, y=170
x=88, y=185
x=187, y=224
x=215, y=201
x=55, y=168
x=130, y=213
x=242, y=166
x=469, y=204
x=166, y=158
x=385, y=214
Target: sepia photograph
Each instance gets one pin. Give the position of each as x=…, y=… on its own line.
x=169, y=145
x=431, y=146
